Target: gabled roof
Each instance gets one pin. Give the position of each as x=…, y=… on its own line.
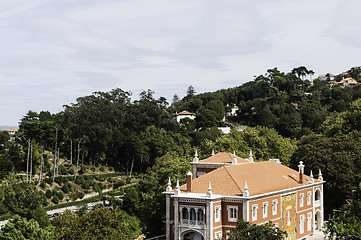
x=223, y=157
x=261, y=177
x=184, y=113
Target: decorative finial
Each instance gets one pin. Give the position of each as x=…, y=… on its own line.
x=234, y=159
x=320, y=175
x=212, y=152
x=177, y=190
x=195, y=159
x=311, y=177
x=169, y=186
x=250, y=156
x=209, y=193
x=245, y=191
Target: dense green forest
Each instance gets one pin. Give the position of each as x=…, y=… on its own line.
x=288, y=116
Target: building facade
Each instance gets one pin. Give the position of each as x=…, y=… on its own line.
x=184, y=114
x=222, y=190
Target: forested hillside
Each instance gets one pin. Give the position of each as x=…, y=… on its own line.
x=291, y=116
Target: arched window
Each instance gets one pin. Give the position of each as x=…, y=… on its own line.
x=200, y=215
x=184, y=213
x=317, y=195
x=192, y=214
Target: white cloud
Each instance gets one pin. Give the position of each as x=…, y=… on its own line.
x=55, y=51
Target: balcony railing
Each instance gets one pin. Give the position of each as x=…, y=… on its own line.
x=186, y=222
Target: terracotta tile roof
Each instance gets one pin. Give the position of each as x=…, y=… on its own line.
x=261, y=177
x=184, y=113
x=223, y=157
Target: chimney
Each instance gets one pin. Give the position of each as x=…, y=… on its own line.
x=189, y=182
x=301, y=168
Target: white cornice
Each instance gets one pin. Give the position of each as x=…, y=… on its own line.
x=253, y=197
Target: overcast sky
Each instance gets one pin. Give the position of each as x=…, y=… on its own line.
x=55, y=51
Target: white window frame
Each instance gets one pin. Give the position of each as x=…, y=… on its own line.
x=254, y=212
x=265, y=209
x=302, y=196
x=309, y=198
x=302, y=224
x=309, y=221
x=230, y=209
x=217, y=209
x=218, y=235
x=274, y=207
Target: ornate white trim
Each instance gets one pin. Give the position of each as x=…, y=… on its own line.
x=227, y=199
x=192, y=200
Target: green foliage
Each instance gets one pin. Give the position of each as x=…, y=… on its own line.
x=71, y=171
x=100, y=223
x=66, y=188
x=43, y=185
x=146, y=199
x=102, y=168
x=20, y=228
x=48, y=193
x=118, y=184
x=206, y=119
x=21, y=198
x=76, y=195
x=247, y=231
x=339, y=158
x=39, y=214
x=343, y=225
x=83, y=169
x=59, y=180
x=60, y=195
x=55, y=199
x=49, y=180
x=265, y=144
x=63, y=170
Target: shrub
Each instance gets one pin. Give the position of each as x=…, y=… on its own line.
x=87, y=177
x=93, y=168
x=49, y=180
x=71, y=171
x=43, y=185
x=70, y=178
x=79, y=180
x=85, y=185
x=99, y=177
x=55, y=199
x=111, y=169
x=76, y=195
x=128, y=180
x=111, y=180
x=82, y=170
x=60, y=195
x=54, y=193
x=59, y=180
x=66, y=188
x=48, y=194
x=81, y=195
x=102, y=168
x=63, y=170
x=65, y=180
x=118, y=184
